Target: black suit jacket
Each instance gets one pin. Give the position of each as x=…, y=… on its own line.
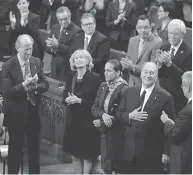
x=99, y=48
x=145, y=140
x=14, y=94
x=114, y=135
x=181, y=135
x=170, y=77
x=61, y=56
x=125, y=28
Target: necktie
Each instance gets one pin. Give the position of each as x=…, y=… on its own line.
x=142, y=97
x=172, y=53
x=86, y=43
x=30, y=94
x=141, y=45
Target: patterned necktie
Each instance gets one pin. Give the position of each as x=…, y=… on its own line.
x=141, y=45
x=142, y=98
x=85, y=43
x=172, y=53
x=30, y=94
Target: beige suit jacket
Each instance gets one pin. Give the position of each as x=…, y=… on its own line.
x=147, y=54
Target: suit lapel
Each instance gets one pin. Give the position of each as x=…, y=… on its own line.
x=135, y=50
x=179, y=56
x=33, y=67
x=144, y=47
x=18, y=70
x=152, y=98
x=92, y=42
x=103, y=95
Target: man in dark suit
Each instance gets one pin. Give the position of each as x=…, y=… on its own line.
x=58, y=42
x=140, y=111
x=93, y=41
x=175, y=58
x=180, y=132
x=23, y=83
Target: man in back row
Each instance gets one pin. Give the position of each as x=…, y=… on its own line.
x=93, y=41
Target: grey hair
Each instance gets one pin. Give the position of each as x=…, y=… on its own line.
x=179, y=24
x=81, y=53
x=63, y=9
x=24, y=38
x=187, y=77
x=86, y=16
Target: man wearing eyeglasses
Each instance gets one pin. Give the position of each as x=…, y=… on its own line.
x=141, y=49
x=176, y=58
x=57, y=44
x=93, y=41
x=180, y=131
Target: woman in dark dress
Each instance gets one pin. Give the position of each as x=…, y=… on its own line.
x=83, y=137
x=25, y=22
x=104, y=109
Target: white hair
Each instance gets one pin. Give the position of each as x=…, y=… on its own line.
x=24, y=38
x=187, y=77
x=179, y=24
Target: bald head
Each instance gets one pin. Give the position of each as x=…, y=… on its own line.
x=24, y=46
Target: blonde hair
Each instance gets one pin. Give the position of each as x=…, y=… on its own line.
x=84, y=54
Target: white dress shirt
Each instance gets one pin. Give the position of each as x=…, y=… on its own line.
x=88, y=36
x=175, y=47
x=189, y=100
x=22, y=65
x=147, y=95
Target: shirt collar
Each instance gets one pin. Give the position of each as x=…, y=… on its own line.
x=176, y=47
x=21, y=61
x=148, y=90
x=190, y=99
x=89, y=36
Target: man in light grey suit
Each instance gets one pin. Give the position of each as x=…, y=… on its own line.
x=141, y=48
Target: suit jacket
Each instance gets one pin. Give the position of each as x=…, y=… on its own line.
x=61, y=56
x=181, y=135
x=14, y=94
x=115, y=134
x=145, y=140
x=170, y=77
x=125, y=28
x=99, y=48
x=147, y=54
x=31, y=29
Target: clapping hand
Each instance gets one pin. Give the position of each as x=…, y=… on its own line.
x=126, y=62
x=1, y=100
x=165, y=57
x=12, y=19
x=52, y=42
x=137, y=115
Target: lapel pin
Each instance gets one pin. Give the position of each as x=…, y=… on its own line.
x=66, y=33
x=181, y=51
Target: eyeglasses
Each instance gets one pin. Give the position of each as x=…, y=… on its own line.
x=88, y=24
x=141, y=27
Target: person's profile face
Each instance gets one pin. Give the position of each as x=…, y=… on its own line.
x=149, y=74
x=110, y=73
x=23, y=5
x=88, y=25
x=25, y=50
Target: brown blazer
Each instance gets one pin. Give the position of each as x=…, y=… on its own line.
x=148, y=53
